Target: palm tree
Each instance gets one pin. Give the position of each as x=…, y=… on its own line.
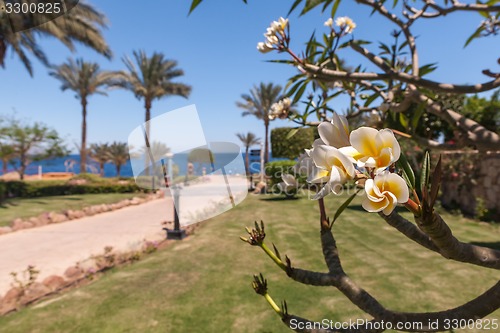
x=100, y=154
x=248, y=140
x=150, y=78
x=258, y=103
x=83, y=24
x=85, y=79
x=118, y=155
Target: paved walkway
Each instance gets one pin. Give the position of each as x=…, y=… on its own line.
x=55, y=247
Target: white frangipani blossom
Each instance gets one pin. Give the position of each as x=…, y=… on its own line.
x=333, y=169
x=329, y=23
x=272, y=36
x=264, y=47
x=336, y=132
x=280, y=109
x=346, y=24
x=374, y=149
x=304, y=165
x=288, y=184
x=384, y=192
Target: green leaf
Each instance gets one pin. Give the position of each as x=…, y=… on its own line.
x=335, y=7
x=370, y=99
x=404, y=121
x=295, y=87
x=310, y=4
x=194, y=4
x=292, y=133
x=299, y=93
x=294, y=5
x=475, y=35
x=436, y=181
x=408, y=174
x=343, y=207
x=424, y=176
x=416, y=116
x=426, y=69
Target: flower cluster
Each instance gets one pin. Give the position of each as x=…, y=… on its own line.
x=339, y=156
x=280, y=109
x=274, y=35
x=345, y=24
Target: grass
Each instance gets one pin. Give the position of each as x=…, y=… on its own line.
x=203, y=284
x=29, y=207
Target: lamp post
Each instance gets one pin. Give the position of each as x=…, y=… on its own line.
x=176, y=233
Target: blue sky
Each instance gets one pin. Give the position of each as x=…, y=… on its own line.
x=216, y=47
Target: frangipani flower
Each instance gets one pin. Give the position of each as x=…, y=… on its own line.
x=264, y=47
x=333, y=169
x=280, y=109
x=289, y=183
x=336, y=132
x=305, y=164
x=280, y=25
x=384, y=192
x=346, y=24
x=373, y=148
x=273, y=34
x=329, y=23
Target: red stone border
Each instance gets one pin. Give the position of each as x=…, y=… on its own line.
x=67, y=215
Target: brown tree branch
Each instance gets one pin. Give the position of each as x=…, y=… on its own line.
x=409, y=229
x=451, y=248
x=476, y=134
x=329, y=75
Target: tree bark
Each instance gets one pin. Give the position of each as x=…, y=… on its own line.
x=247, y=162
x=266, y=144
x=4, y=166
x=83, y=147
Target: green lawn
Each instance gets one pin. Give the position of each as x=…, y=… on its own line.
x=203, y=284
x=29, y=207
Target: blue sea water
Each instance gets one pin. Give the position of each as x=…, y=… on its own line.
x=71, y=163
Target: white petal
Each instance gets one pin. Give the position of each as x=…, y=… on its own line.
x=373, y=207
x=386, y=138
x=318, y=176
x=352, y=154
x=363, y=140
x=289, y=179
x=397, y=186
x=323, y=192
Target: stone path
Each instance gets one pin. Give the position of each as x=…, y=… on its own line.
x=55, y=247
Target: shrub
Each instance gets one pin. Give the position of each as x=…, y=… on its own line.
x=274, y=170
x=291, y=148
x=33, y=189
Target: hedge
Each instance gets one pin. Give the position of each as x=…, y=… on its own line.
x=291, y=148
x=33, y=189
x=274, y=170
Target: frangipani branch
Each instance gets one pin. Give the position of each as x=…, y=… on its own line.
x=449, y=247
x=479, y=307
x=455, y=6
x=330, y=75
x=476, y=134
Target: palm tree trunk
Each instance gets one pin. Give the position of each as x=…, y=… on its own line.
x=101, y=169
x=247, y=161
x=266, y=143
x=147, y=105
x=83, y=147
x=4, y=166
x=118, y=168
x=3, y=51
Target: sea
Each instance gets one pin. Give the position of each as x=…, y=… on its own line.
x=71, y=163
